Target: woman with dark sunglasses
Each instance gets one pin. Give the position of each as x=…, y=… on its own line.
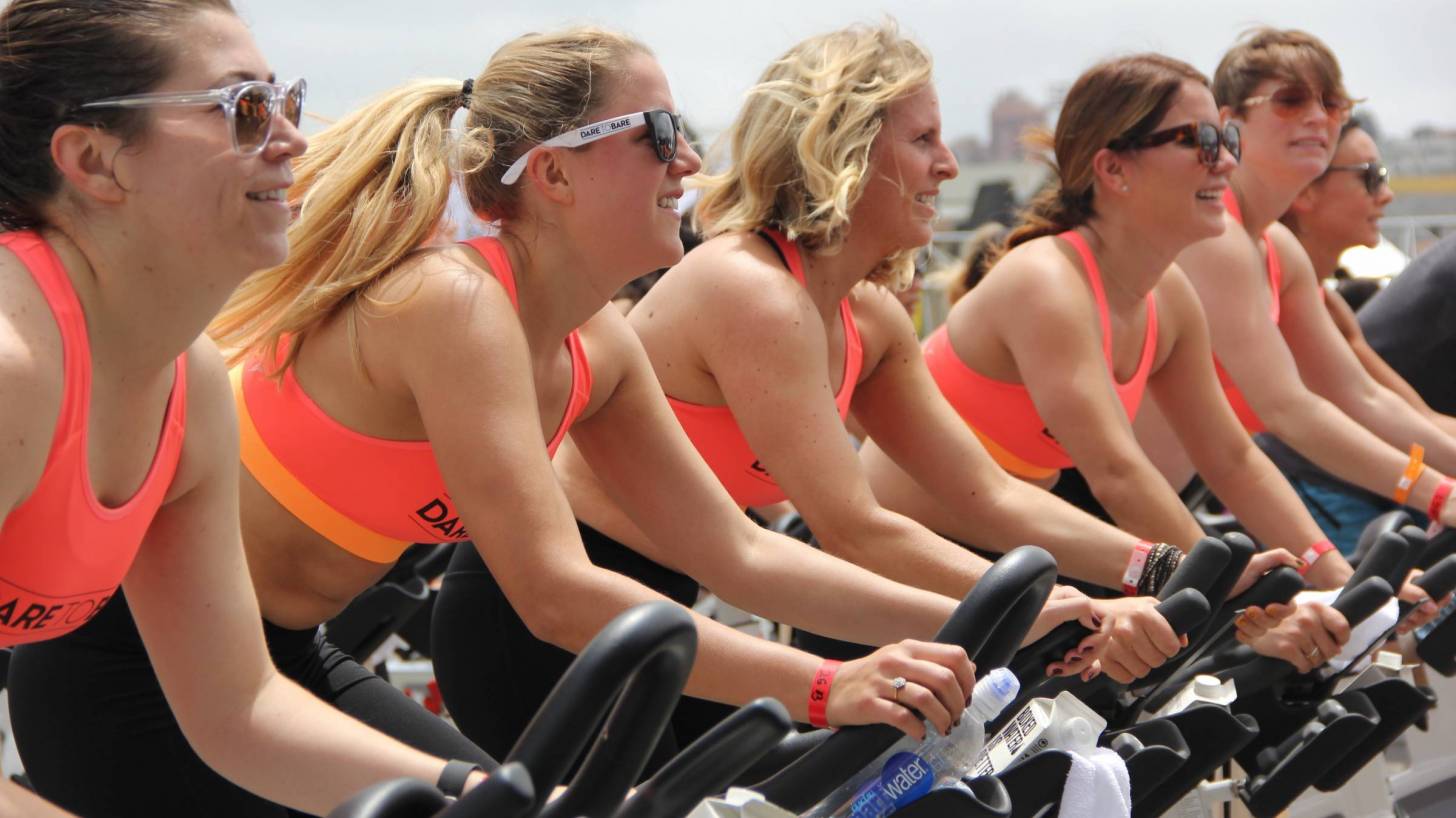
x=1281, y=359
x=765, y=340
x=1051, y=355
x=395, y=387
x=141, y=179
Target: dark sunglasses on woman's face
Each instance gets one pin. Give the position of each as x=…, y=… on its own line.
x=1373, y=174
x=1206, y=137
x=663, y=126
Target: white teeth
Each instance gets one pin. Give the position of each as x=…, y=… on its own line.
x=926, y=199
x=668, y=202
x=277, y=195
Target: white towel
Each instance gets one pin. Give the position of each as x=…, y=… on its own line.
x=1097, y=787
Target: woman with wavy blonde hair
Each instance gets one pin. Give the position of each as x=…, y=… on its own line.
x=767, y=335
x=394, y=388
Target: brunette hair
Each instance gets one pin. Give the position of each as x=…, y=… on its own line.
x=1269, y=53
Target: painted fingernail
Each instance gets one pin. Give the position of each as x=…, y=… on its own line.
x=1096, y=620
x=1299, y=563
x=1056, y=671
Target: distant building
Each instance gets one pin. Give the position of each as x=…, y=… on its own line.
x=1011, y=116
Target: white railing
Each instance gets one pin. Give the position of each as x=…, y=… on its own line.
x=1412, y=234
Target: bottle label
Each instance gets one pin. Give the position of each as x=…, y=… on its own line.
x=904, y=778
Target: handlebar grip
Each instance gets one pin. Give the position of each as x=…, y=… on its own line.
x=1200, y=569
x=505, y=793
x=1440, y=546
x=1277, y=586
x=1241, y=551
x=1184, y=610
x=1440, y=579
x=1029, y=663
x=1383, y=560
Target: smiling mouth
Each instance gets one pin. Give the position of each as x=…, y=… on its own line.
x=1210, y=194
x=279, y=195
x=927, y=199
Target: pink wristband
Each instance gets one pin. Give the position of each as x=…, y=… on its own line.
x=1314, y=552
x=819, y=692
x=1135, y=565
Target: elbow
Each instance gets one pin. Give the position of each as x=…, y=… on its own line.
x=852, y=537
x=1114, y=482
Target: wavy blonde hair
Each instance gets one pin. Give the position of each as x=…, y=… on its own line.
x=373, y=188
x=801, y=144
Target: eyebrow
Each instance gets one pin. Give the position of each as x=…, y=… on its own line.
x=237, y=76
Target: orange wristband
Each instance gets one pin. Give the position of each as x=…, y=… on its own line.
x=819, y=692
x=1411, y=474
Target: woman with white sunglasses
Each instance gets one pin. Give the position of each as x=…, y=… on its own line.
x=144, y=152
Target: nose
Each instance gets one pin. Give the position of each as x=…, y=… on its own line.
x=946, y=167
x=286, y=141
x=1385, y=194
x=687, y=161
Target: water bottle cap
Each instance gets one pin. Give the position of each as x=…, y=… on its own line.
x=993, y=693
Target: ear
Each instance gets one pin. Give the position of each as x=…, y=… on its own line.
x=548, y=171
x=85, y=156
x=1110, y=171
x=1225, y=113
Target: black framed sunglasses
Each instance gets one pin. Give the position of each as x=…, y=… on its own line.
x=250, y=107
x=1373, y=174
x=664, y=127
x=1206, y=137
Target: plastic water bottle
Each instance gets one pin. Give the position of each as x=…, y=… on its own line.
x=910, y=769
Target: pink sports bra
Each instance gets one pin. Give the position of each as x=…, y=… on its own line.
x=717, y=435
x=370, y=496
x=63, y=553
x=1003, y=415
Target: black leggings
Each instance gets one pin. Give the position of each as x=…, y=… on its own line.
x=494, y=674
x=97, y=736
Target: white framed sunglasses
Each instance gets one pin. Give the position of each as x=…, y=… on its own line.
x=251, y=107
x=665, y=125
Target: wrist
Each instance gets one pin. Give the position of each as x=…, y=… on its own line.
x=1439, y=497
x=1414, y=469
x=819, y=692
x=1137, y=563
x=455, y=776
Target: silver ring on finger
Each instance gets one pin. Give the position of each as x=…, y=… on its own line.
x=896, y=685
x=1313, y=653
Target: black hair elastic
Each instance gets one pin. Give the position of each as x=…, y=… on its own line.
x=465, y=89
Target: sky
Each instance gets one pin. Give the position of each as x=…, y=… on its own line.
x=1398, y=55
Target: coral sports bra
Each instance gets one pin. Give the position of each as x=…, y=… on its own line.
x=1236, y=398
x=370, y=496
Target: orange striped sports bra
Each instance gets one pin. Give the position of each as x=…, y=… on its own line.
x=717, y=435
x=1003, y=415
x=370, y=496
x=63, y=553
x=1236, y=398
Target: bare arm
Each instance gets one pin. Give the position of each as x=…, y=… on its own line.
x=1187, y=390
x=471, y=376
x=642, y=457
x=194, y=607
x=910, y=420
x=1060, y=360
x=1329, y=367
x=1230, y=282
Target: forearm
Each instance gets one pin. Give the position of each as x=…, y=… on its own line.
x=1396, y=422
x=1389, y=378
x=1265, y=503
x=1014, y=513
x=289, y=746
x=1143, y=503
x=734, y=668
x=897, y=547
x=788, y=581
x=1333, y=441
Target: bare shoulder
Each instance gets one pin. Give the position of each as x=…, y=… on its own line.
x=1041, y=275
x=441, y=283
x=736, y=278
x=31, y=381
x=879, y=315
x=1294, y=262
x=1214, y=257
x=210, y=439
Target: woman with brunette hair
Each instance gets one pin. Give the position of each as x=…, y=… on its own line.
x=394, y=388
x=144, y=155
x=1283, y=364
x=1049, y=358
x=764, y=342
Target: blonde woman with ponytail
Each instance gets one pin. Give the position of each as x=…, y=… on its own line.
x=768, y=334
x=394, y=387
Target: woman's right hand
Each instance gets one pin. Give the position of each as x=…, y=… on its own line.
x=1307, y=638
x=938, y=683
x=1132, y=640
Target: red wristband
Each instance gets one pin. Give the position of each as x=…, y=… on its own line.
x=1313, y=553
x=1135, y=565
x=819, y=692
x=1439, y=498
